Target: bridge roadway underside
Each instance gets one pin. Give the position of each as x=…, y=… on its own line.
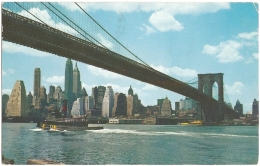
x=21, y=30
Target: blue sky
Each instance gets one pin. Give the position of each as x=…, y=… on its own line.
x=179, y=39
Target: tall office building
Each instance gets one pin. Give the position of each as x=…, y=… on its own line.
x=115, y=104
x=5, y=99
x=100, y=96
x=130, y=105
x=255, y=108
x=166, y=107
x=37, y=81
x=130, y=91
x=95, y=96
x=239, y=108
x=188, y=104
x=76, y=81
x=69, y=85
x=121, y=109
x=30, y=102
x=17, y=104
x=130, y=101
x=58, y=93
x=50, y=94
x=108, y=102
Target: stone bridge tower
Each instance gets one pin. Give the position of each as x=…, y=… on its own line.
x=212, y=112
x=206, y=81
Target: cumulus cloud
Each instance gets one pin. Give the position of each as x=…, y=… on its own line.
x=225, y=52
x=16, y=48
x=102, y=72
x=6, y=91
x=230, y=50
x=252, y=58
x=248, y=36
x=105, y=42
x=149, y=87
x=255, y=55
x=164, y=21
x=44, y=16
x=8, y=71
x=235, y=88
x=162, y=17
x=176, y=71
x=54, y=79
x=147, y=29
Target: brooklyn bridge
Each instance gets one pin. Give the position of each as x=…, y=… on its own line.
x=73, y=41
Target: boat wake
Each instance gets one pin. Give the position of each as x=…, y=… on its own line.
x=180, y=133
x=36, y=129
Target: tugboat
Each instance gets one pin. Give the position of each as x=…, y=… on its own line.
x=66, y=124
x=56, y=121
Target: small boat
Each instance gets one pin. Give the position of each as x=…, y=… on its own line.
x=196, y=122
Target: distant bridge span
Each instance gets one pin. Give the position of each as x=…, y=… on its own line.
x=30, y=33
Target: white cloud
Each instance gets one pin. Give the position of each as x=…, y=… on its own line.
x=172, y=7
x=235, y=88
x=162, y=17
x=4, y=73
x=164, y=21
x=227, y=51
x=253, y=58
x=176, y=71
x=6, y=91
x=102, y=72
x=149, y=87
x=54, y=79
x=148, y=30
x=105, y=42
x=44, y=16
x=8, y=71
x=256, y=55
x=248, y=36
x=16, y=48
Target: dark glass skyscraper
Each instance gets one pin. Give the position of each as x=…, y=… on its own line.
x=37, y=81
x=69, y=84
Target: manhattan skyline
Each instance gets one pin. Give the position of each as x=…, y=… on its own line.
x=191, y=39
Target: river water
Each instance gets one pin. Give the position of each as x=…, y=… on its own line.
x=134, y=144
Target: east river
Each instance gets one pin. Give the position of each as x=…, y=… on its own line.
x=134, y=144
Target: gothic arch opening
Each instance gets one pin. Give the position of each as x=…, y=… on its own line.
x=215, y=90
x=206, y=89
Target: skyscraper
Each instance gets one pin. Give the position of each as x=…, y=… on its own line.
x=50, y=94
x=108, y=102
x=5, y=99
x=121, y=109
x=69, y=84
x=255, y=108
x=37, y=81
x=76, y=81
x=100, y=96
x=239, y=108
x=17, y=104
x=130, y=91
x=166, y=107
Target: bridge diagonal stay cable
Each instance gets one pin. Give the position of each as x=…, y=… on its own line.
x=78, y=27
x=226, y=93
x=72, y=23
x=30, y=13
x=113, y=37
